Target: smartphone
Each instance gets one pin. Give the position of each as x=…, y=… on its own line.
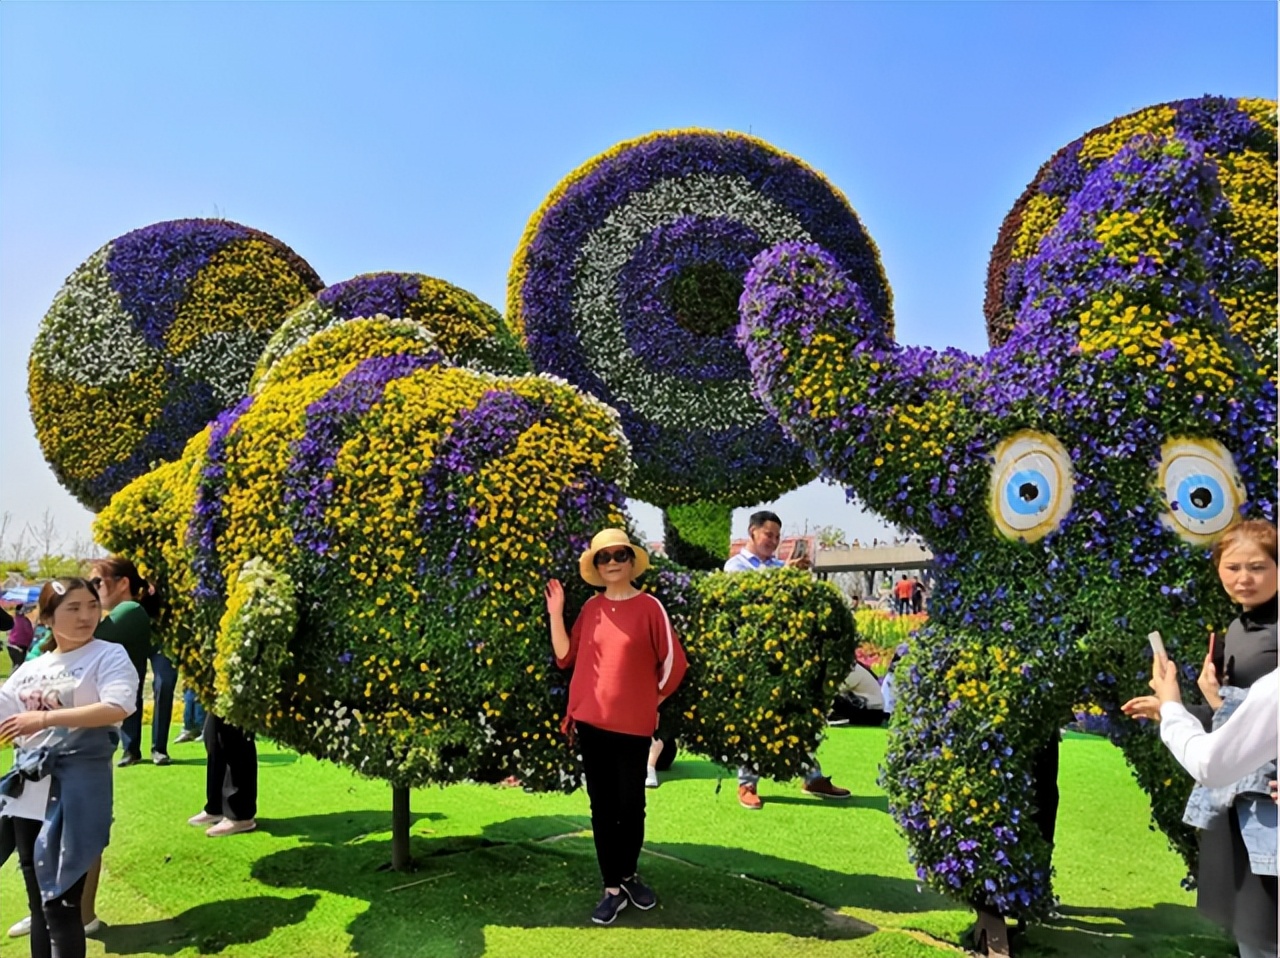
x=801, y=550
x=1157, y=645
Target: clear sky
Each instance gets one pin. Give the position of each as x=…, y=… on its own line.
x=420, y=137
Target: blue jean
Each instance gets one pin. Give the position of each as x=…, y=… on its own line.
x=747, y=776
x=163, y=684
x=192, y=712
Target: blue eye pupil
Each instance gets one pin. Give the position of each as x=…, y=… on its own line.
x=1027, y=492
x=1201, y=497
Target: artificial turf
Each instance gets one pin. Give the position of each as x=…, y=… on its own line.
x=503, y=872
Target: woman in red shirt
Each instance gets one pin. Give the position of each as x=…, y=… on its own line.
x=626, y=659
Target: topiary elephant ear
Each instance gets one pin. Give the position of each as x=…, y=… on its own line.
x=1238, y=137
x=158, y=332
x=626, y=283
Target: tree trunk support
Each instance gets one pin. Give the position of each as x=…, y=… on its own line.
x=400, y=860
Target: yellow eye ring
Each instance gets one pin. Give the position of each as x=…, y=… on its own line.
x=1032, y=485
x=1201, y=487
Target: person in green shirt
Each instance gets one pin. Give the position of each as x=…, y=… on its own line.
x=128, y=623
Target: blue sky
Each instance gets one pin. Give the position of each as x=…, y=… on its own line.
x=421, y=137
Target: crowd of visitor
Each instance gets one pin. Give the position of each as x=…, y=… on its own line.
x=74, y=695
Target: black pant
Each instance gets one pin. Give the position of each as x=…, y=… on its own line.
x=16, y=656
x=1044, y=776
x=231, y=778
x=615, y=764
x=56, y=923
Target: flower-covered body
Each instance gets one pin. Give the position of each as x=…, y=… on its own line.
x=354, y=559
x=161, y=327
x=467, y=330
x=1068, y=483
x=626, y=283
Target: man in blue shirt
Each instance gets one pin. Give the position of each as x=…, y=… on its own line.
x=764, y=532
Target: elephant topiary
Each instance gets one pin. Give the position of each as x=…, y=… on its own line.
x=1069, y=482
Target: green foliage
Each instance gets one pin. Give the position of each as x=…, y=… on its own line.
x=831, y=537
x=704, y=298
x=767, y=652
x=696, y=535
x=52, y=566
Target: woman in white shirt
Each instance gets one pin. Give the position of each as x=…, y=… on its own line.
x=1247, y=740
x=63, y=712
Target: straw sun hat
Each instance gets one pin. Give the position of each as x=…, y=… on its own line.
x=608, y=539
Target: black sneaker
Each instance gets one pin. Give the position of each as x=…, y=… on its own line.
x=126, y=760
x=608, y=908
x=641, y=895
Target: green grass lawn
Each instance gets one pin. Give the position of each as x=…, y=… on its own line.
x=502, y=872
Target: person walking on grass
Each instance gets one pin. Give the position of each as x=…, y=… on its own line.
x=764, y=532
x=626, y=660
x=62, y=711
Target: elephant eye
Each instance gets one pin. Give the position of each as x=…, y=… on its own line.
x=1201, y=486
x=1031, y=485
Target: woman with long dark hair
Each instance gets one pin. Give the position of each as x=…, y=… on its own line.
x=131, y=606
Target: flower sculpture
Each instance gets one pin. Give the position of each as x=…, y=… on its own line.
x=626, y=283
x=466, y=329
x=161, y=327
x=1069, y=482
x=354, y=558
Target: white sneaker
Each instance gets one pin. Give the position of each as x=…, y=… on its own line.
x=651, y=777
x=204, y=819
x=231, y=826
x=20, y=928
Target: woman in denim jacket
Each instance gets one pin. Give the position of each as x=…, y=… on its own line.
x=1231, y=892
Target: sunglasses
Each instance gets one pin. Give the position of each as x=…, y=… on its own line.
x=619, y=556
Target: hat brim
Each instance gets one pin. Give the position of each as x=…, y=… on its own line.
x=587, y=567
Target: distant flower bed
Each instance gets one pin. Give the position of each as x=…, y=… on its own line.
x=880, y=633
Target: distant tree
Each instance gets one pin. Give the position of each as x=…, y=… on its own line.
x=48, y=541
x=18, y=551
x=830, y=537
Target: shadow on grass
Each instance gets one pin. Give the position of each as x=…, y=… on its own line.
x=1161, y=930
x=879, y=803
x=688, y=767
x=209, y=928
x=540, y=872
x=339, y=828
